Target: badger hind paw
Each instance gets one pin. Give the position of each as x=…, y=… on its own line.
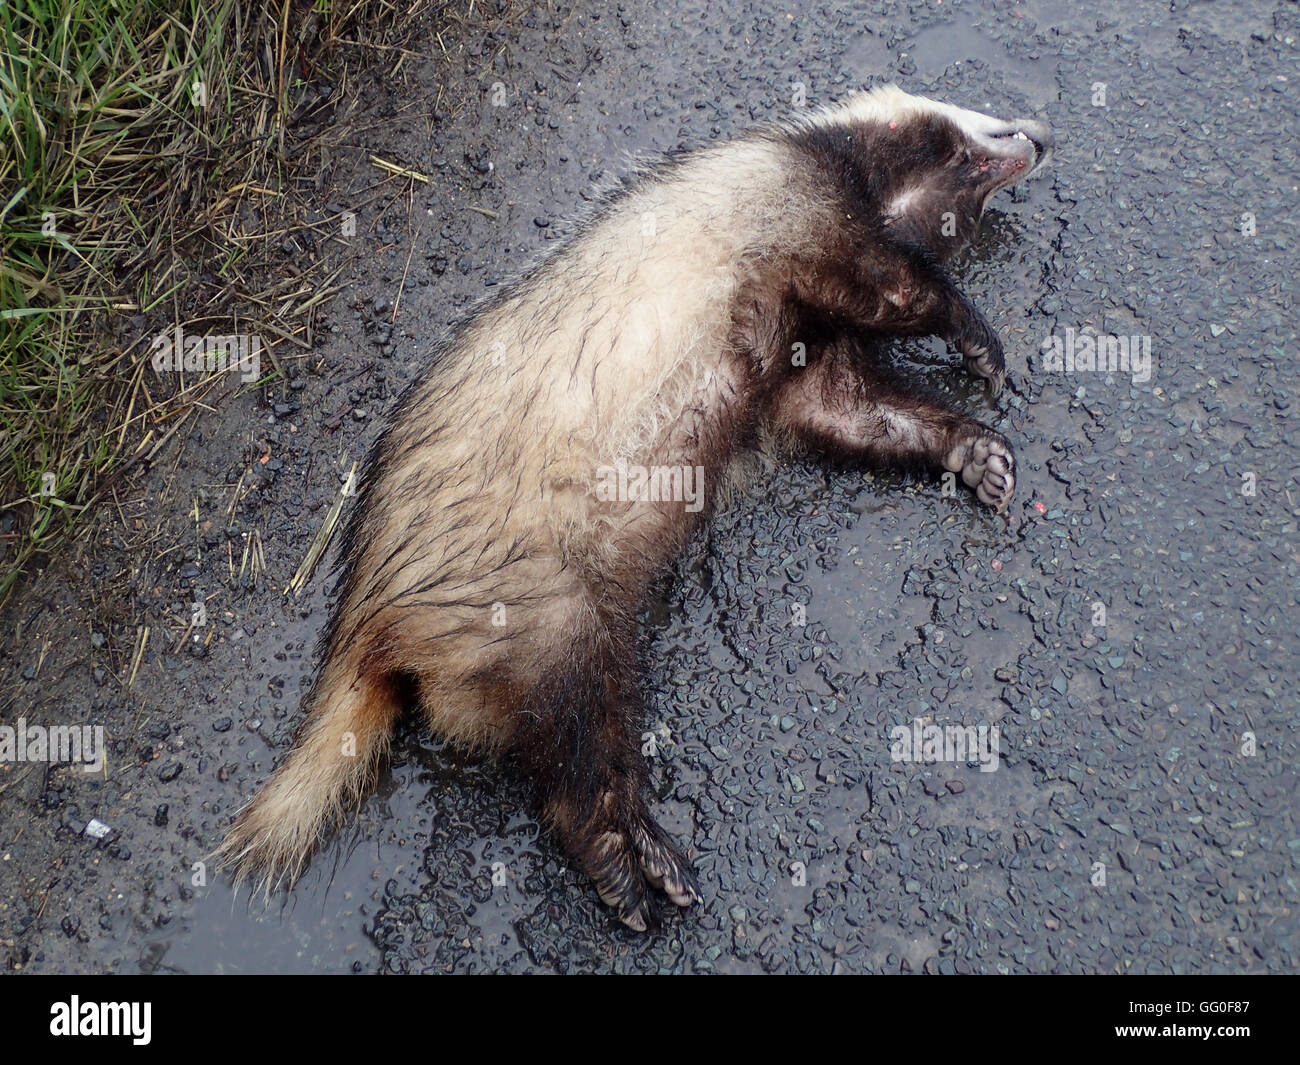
x=987, y=464
x=632, y=859
x=614, y=868
x=664, y=865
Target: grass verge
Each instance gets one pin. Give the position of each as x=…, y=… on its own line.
x=148, y=154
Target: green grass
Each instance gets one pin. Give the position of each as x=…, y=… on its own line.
x=96, y=115
x=125, y=209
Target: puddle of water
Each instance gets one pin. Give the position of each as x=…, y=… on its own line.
x=864, y=55
x=934, y=49
x=314, y=929
x=868, y=617
x=1061, y=16
x=321, y=925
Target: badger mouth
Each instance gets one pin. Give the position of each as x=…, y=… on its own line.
x=1018, y=151
x=1040, y=140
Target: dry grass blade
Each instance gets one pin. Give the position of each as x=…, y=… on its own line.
x=401, y=171
x=320, y=542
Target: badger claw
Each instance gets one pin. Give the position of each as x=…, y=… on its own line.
x=627, y=863
x=664, y=865
x=616, y=872
x=988, y=363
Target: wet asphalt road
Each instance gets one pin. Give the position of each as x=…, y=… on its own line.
x=1132, y=632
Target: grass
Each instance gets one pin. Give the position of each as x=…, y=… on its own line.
x=147, y=151
x=96, y=108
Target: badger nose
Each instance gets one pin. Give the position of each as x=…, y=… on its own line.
x=1041, y=136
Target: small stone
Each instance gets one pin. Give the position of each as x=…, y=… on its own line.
x=96, y=829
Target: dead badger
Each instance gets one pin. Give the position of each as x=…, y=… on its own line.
x=494, y=559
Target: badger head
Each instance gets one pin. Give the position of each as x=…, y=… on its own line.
x=925, y=170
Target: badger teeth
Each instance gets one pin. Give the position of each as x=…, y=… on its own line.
x=1019, y=135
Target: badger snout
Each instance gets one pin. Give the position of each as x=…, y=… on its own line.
x=1022, y=146
x=1039, y=134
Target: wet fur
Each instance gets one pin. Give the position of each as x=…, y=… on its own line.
x=659, y=335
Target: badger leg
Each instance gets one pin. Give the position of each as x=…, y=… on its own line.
x=847, y=411
x=349, y=721
x=579, y=737
x=934, y=305
x=907, y=292
x=981, y=348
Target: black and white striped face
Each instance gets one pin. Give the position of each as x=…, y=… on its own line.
x=927, y=168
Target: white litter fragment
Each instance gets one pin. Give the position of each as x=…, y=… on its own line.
x=96, y=829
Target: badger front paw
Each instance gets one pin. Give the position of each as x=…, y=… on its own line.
x=987, y=360
x=986, y=463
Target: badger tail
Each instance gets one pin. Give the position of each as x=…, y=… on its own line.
x=350, y=717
